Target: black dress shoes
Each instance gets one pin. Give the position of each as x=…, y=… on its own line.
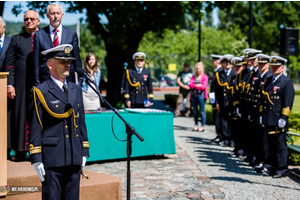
x=279, y=175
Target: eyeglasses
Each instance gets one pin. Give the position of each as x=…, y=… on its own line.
x=31, y=19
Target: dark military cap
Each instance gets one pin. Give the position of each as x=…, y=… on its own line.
x=237, y=61
x=215, y=57
x=277, y=60
x=251, y=54
x=262, y=58
x=226, y=57
x=139, y=56
x=61, y=52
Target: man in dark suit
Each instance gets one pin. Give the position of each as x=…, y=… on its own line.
x=138, y=84
x=278, y=102
x=216, y=115
x=4, y=42
x=51, y=36
x=18, y=63
x=58, y=142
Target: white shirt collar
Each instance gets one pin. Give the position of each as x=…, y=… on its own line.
x=59, y=28
x=139, y=69
x=251, y=67
x=218, y=68
x=2, y=38
x=277, y=77
x=59, y=83
x=262, y=75
x=255, y=68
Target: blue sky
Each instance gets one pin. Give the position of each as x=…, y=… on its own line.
x=68, y=18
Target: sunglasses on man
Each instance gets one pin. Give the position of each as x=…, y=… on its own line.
x=31, y=19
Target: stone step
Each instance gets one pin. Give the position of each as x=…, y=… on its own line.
x=98, y=186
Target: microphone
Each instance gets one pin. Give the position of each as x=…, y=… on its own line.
x=125, y=65
x=83, y=73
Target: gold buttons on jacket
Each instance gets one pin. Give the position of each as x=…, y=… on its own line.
x=56, y=106
x=78, y=105
x=66, y=126
x=76, y=135
x=67, y=136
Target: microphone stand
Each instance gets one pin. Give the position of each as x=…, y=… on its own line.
x=129, y=130
x=122, y=87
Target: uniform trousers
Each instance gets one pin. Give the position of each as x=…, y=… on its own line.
x=277, y=161
x=226, y=129
x=217, y=121
x=61, y=183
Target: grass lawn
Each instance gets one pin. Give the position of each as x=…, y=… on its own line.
x=296, y=105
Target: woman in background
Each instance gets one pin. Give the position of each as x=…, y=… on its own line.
x=199, y=94
x=91, y=100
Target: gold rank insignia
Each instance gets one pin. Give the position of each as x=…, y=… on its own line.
x=286, y=111
x=67, y=50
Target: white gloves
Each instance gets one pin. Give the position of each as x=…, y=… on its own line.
x=281, y=123
x=260, y=119
x=39, y=168
x=238, y=113
x=83, y=162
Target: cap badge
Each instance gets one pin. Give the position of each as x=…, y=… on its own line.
x=228, y=58
x=260, y=58
x=274, y=60
x=67, y=50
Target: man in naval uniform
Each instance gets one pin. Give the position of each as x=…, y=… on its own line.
x=58, y=142
x=138, y=84
x=216, y=115
x=278, y=101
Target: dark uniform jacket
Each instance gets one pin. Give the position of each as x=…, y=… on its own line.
x=43, y=41
x=241, y=95
x=59, y=143
x=278, y=100
x=3, y=51
x=258, y=97
x=249, y=91
x=214, y=82
x=137, y=95
x=222, y=92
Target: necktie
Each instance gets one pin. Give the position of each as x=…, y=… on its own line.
x=55, y=38
x=65, y=88
x=139, y=71
x=273, y=79
x=0, y=46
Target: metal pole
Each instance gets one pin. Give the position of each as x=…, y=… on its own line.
x=199, y=39
x=250, y=24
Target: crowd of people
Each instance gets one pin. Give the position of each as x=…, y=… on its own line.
x=251, y=100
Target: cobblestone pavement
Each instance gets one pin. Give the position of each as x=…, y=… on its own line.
x=200, y=169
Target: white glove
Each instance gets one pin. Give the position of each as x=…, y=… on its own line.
x=238, y=113
x=83, y=162
x=39, y=168
x=260, y=119
x=281, y=123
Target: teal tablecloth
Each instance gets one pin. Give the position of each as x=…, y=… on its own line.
x=156, y=129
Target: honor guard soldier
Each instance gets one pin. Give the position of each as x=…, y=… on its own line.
x=138, y=84
x=249, y=95
x=221, y=89
x=58, y=142
x=233, y=101
x=279, y=95
x=260, y=143
x=212, y=97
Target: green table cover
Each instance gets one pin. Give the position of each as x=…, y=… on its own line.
x=156, y=129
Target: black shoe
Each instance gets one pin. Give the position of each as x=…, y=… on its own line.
x=279, y=175
x=232, y=144
x=223, y=143
x=217, y=140
x=259, y=165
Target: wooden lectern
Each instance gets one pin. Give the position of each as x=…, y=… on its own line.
x=3, y=131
